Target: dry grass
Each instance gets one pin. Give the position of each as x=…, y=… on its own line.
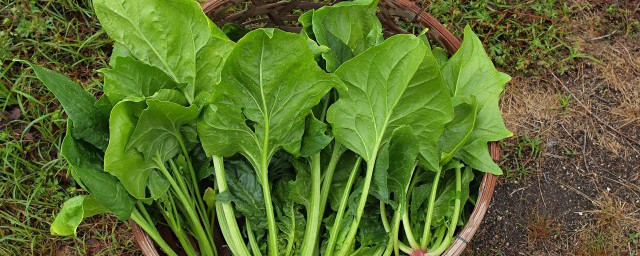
x=611, y=231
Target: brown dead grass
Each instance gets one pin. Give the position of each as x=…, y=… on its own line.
x=609, y=233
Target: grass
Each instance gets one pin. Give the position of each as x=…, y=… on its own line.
x=520, y=157
x=526, y=38
x=61, y=35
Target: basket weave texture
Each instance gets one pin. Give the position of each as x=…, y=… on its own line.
x=284, y=15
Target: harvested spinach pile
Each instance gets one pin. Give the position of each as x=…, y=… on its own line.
x=333, y=141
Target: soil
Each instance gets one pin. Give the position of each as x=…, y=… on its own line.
x=582, y=196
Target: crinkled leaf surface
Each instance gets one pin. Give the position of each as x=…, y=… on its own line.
x=90, y=124
x=134, y=80
x=127, y=164
x=269, y=84
x=246, y=191
x=167, y=34
x=347, y=28
x=158, y=132
x=393, y=84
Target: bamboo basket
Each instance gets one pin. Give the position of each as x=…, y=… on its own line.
x=284, y=15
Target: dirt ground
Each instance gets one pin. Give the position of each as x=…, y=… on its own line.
x=572, y=171
x=578, y=192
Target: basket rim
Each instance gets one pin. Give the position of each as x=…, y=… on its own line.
x=451, y=44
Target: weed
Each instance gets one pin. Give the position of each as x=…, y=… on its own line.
x=33, y=180
x=520, y=157
x=541, y=228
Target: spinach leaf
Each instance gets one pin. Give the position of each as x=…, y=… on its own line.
x=166, y=34
x=87, y=165
x=90, y=124
x=158, y=132
x=400, y=86
x=73, y=211
x=347, y=28
x=470, y=72
x=127, y=164
x=134, y=80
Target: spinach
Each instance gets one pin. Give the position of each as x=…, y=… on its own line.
x=333, y=141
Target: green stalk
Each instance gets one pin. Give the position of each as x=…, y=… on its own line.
x=353, y=230
x=252, y=239
x=197, y=194
x=272, y=238
x=406, y=223
x=454, y=221
x=314, y=215
x=383, y=216
x=333, y=237
x=171, y=216
x=152, y=232
x=201, y=236
x=338, y=150
x=226, y=215
x=426, y=234
x=439, y=236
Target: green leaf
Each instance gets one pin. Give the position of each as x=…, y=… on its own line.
x=104, y=105
x=167, y=34
x=119, y=50
x=86, y=162
x=128, y=165
x=347, y=28
x=441, y=56
x=315, y=137
x=458, y=131
x=269, y=84
x=73, y=211
x=371, y=231
x=444, y=204
x=403, y=153
x=158, y=130
x=300, y=188
x=470, y=72
x=158, y=185
x=246, y=191
x=340, y=178
x=209, y=62
x=133, y=80
x=393, y=84
x=89, y=122
x=476, y=155
x=292, y=224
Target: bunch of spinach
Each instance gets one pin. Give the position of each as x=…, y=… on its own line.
x=333, y=141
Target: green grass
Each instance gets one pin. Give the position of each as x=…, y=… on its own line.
x=520, y=157
x=64, y=36
x=522, y=37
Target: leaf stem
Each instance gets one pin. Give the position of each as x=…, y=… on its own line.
x=338, y=150
x=152, y=232
x=426, y=234
x=272, y=238
x=252, y=239
x=454, y=220
x=383, y=216
x=205, y=247
x=353, y=230
x=314, y=215
x=335, y=230
x=226, y=215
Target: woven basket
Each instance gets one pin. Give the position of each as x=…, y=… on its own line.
x=284, y=15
